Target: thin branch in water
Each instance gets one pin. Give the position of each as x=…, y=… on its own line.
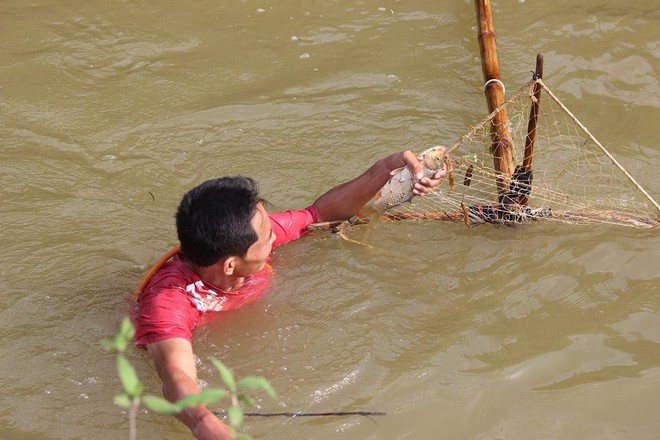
x=300, y=414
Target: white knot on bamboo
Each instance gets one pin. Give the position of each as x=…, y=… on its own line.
x=495, y=81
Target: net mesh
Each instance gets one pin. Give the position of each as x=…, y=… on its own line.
x=573, y=179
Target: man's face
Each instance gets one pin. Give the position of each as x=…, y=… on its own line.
x=256, y=256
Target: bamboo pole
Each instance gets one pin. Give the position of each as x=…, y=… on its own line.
x=494, y=90
x=531, y=124
x=533, y=115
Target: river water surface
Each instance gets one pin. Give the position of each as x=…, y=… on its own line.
x=110, y=111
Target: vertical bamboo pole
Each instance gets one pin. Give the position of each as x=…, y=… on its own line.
x=533, y=116
x=501, y=146
x=531, y=124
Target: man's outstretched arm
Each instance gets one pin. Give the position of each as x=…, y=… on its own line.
x=344, y=201
x=175, y=363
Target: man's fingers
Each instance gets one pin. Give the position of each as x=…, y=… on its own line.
x=434, y=181
x=413, y=164
x=423, y=185
x=421, y=189
x=426, y=184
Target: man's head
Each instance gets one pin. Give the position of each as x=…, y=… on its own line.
x=216, y=219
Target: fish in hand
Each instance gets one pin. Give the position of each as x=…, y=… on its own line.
x=399, y=189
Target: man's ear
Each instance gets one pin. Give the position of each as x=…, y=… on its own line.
x=228, y=265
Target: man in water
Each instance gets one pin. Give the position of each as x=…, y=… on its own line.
x=226, y=238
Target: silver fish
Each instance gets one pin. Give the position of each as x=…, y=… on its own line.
x=399, y=189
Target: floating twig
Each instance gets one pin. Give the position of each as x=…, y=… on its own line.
x=301, y=414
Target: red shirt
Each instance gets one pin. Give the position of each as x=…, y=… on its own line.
x=175, y=299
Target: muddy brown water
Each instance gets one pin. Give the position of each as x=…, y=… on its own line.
x=109, y=112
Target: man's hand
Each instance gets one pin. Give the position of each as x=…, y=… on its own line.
x=175, y=363
x=345, y=200
x=211, y=428
x=424, y=185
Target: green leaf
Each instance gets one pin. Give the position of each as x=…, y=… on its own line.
x=124, y=334
x=235, y=415
x=123, y=400
x=206, y=397
x=108, y=344
x=120, y=344
x=244, y=437
x=129, y=380
x=159, y=405
x=247, y=400
x=225, y=374
x=257, y=383
x=126, y=328
x=213, y=395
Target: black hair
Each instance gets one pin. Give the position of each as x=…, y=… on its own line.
x=214, y=220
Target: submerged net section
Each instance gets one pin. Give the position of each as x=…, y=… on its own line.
x=571, y=179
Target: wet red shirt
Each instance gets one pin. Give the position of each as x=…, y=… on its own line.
x=176, y=298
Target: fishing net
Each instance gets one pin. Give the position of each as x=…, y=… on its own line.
x=569, y=178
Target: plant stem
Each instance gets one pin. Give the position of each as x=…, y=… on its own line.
x=132, y=416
